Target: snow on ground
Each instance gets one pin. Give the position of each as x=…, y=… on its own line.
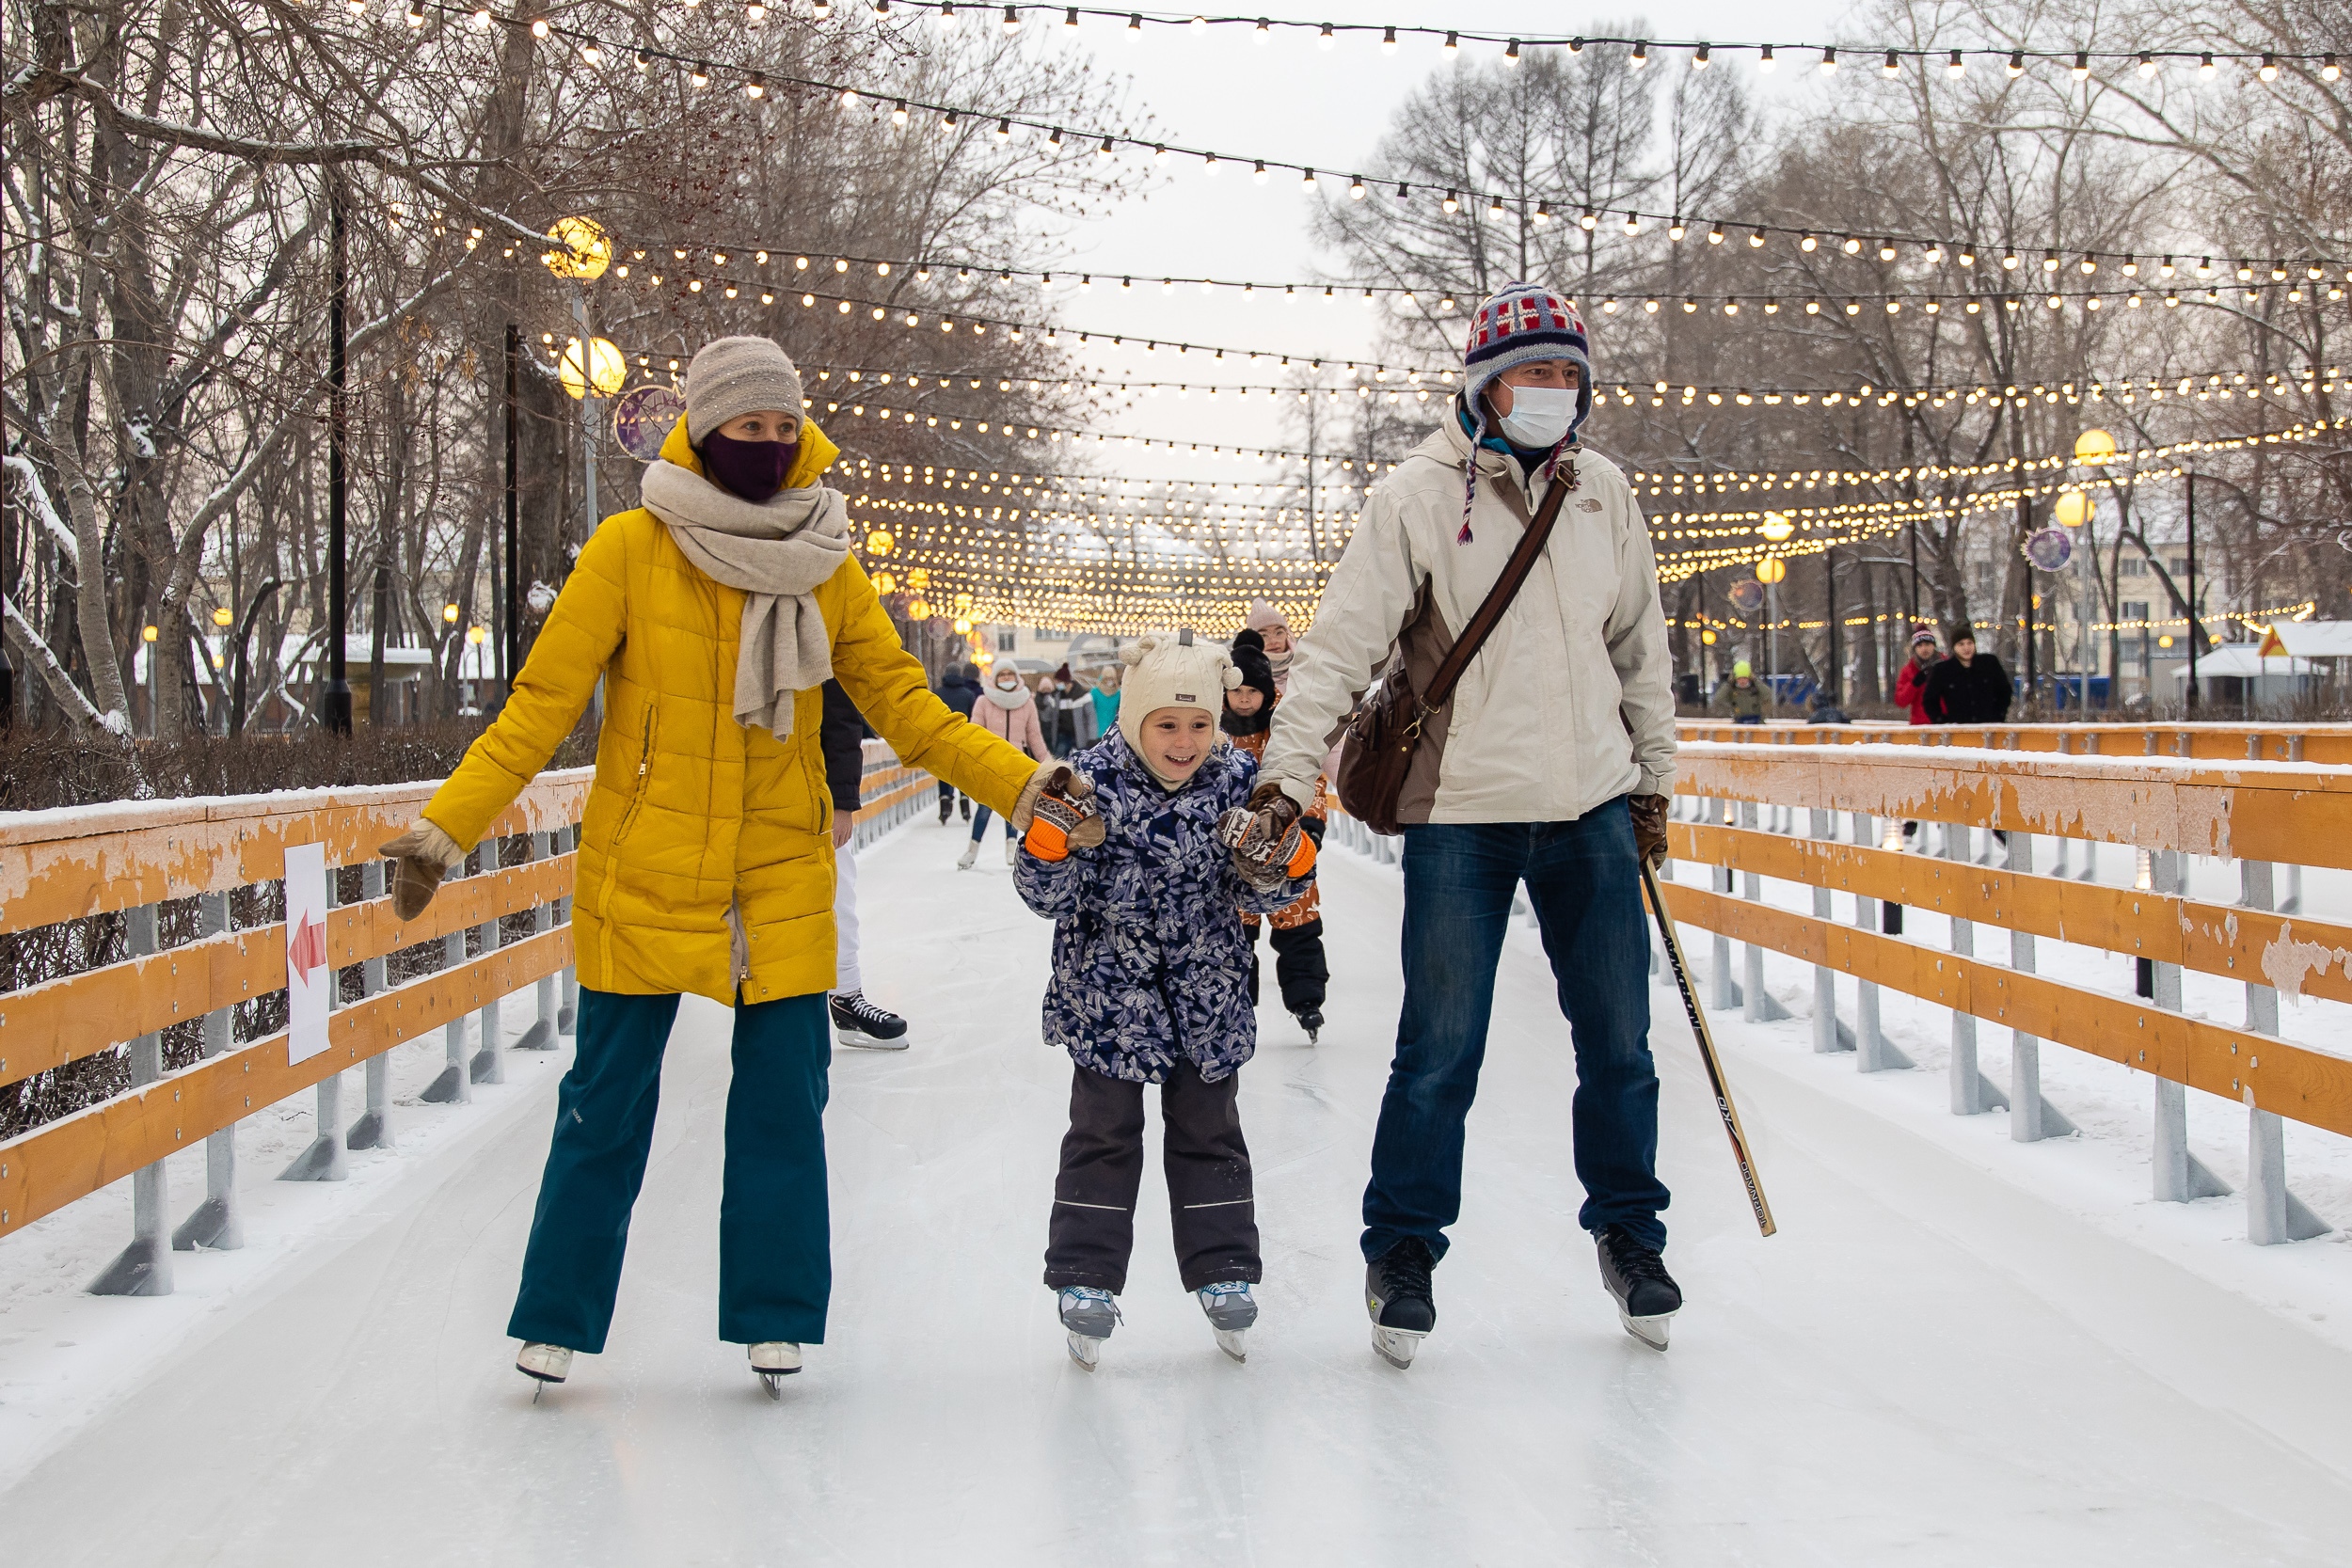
x=65, y=1355
x=1958, y=1349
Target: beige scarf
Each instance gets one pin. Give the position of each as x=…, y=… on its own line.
x=777, y=552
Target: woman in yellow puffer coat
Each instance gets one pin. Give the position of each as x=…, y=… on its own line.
x=714, y=614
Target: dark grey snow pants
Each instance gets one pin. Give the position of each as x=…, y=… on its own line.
x=1209, y=1195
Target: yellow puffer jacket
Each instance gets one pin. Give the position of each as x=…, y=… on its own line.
x=690, y=812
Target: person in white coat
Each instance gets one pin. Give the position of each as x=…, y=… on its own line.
x=1008, y=709
x=1551, y=764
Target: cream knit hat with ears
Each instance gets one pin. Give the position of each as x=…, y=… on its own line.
x=733, y=376
x=1171, y=669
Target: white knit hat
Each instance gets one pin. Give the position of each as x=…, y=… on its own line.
x=731, y=377
x=1171, y=669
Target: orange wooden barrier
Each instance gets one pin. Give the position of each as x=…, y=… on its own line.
x=2292, y=1080
x=2240, y=943
x=2318, y=743
x=72, y=1157
x=2295, y=814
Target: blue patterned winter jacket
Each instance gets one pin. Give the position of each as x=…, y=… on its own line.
x=1151, y=959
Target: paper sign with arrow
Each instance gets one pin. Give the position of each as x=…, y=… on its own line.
x=310, y=979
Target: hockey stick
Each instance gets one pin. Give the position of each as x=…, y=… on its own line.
x=1707, y=1054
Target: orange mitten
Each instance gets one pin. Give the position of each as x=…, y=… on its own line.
x=1056, y=822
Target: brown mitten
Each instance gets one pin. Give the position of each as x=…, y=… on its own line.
x=1649, y=826
x=421, y=858
x=1076, y=792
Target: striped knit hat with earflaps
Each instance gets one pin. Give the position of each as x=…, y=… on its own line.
x=1518, y=324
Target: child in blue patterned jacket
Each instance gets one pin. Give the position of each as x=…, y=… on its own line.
x=1150, y=985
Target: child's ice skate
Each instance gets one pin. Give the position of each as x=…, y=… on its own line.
x=1232, y=1310
x=1090, y=1315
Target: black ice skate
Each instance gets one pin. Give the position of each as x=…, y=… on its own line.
x=1396, y=1293
x=1232, y=1310
x=859, y=1023
x=1311, y=1020
x=1635, y=1276
x=1088, y=1316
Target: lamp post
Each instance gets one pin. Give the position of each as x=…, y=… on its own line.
x=590, y=366
x=2093, y=449
x=147, y=636
x=512, y=597
x=1771, y=571
x=335, y=706
x=2188, y=590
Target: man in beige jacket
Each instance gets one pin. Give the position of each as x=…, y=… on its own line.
x=1551, y=764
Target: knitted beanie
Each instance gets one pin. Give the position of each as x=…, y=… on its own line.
x=1171, y=669
x=734, y=376
x=1249, y=658
x=1263, y=617
x=1517, y=324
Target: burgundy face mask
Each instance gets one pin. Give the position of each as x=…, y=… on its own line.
x=752, y=470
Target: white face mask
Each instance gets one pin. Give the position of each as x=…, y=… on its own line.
x=1540, y=416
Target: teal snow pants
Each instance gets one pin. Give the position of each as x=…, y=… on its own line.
x=775, y=1260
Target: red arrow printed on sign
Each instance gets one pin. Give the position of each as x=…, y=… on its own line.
x=306, y=950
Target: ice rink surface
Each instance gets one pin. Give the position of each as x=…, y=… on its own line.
x=1925, y=1366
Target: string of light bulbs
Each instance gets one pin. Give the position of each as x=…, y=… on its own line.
x=755, y=82
x=2011, y=262
x=2266, y=63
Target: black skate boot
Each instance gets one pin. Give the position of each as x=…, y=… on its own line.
x=1311, y=1020
x=1396, y=1293
x=1635, y=1276
x=859, y=1023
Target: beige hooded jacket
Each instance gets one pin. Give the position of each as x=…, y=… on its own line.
x=1569, y=704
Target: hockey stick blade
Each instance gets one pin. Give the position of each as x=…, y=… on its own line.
x=1707, y=1054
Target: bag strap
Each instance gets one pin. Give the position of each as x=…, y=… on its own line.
x=1498, y=597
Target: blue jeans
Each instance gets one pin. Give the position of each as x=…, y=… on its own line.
x=1585, y=885
x=775, y=1259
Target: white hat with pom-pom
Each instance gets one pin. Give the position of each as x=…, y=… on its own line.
x=1171, y=669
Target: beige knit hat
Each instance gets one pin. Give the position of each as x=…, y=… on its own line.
x=1171, y=669
x=734, y=376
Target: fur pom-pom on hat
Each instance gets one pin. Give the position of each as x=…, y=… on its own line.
x=1171, y=669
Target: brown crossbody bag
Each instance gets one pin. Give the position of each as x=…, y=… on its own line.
x=1376, y=751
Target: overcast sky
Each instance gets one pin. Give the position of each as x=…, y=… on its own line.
x=1293, y=100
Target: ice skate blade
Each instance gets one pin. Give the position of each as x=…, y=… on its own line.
x=867, y=1042
x=1650, y=1331
x=773, y=1384
x=1397, y=1346
x=1228, y=1340
x=1085, y=1351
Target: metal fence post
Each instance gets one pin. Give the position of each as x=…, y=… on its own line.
x=324, y=1160
x=541, y=1035
x=2180, y=1176
x=1972, y=1093
x=1756, y=1003
x=144, y=1267
x=1723, y=991
x=1828, y=1034
x=567, y=1009
x=2031, y=1119
x=373, y=1130
x=215, y=1224
x=2273, y=1214
x=489, y=1060
x=454, y=1085
x=1872, y=1053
